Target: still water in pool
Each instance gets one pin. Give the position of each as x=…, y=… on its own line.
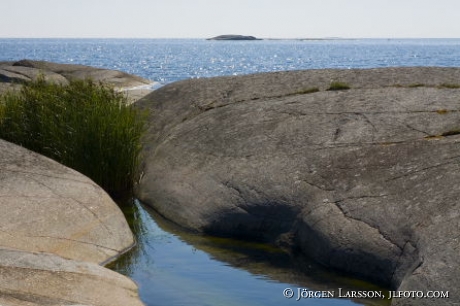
x=175, y=267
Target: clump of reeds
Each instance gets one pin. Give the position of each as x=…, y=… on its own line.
x=84, y=125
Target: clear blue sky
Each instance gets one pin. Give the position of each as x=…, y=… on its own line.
x=207, y=18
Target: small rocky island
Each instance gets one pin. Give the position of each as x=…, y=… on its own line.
x=234, y=37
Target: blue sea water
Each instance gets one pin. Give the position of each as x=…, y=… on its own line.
x=164, y=266
x=169, y=60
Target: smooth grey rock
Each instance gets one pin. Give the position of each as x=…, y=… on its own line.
x=115, y=78
x=50, y=212
x=19, y=74
x=47, y=207
x=363, y=180
x=30, y=279
x=13, y=74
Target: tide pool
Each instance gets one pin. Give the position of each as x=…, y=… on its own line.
x=175, y=267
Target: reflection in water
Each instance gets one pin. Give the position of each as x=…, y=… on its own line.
x=175, y=267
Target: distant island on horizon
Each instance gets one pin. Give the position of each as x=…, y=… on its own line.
x=245, y=37
x=234, y=37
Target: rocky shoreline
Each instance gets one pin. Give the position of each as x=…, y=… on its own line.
x=13, y=73
x=58, y=228
x=355, y=168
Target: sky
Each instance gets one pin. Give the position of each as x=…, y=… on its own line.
x=209, y=18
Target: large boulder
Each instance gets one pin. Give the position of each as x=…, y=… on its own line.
x=364, y=180
x=56, y=227
x=47, y=207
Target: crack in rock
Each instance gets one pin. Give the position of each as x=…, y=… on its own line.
x=81, y=204
x=346, y=215
x=449, y=161
x=59, y=238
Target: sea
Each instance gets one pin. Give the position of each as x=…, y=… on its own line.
x=176, y=269
x=169, y=60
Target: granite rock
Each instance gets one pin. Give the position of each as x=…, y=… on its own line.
x=13, y=74
x=56, y=228
x=32, y=279
x=363, y=180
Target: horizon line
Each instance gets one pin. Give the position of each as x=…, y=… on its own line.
x=202, y=38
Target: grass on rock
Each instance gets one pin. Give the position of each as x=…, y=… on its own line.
x=307, y=90
x=415, y=85
x=338, y=86
x=84, y=125
x=449, y=85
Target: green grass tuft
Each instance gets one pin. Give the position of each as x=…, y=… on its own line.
x=86, y=126
x=415, y=85
x=338, y=86
x=449, y=85
x=307, y=91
